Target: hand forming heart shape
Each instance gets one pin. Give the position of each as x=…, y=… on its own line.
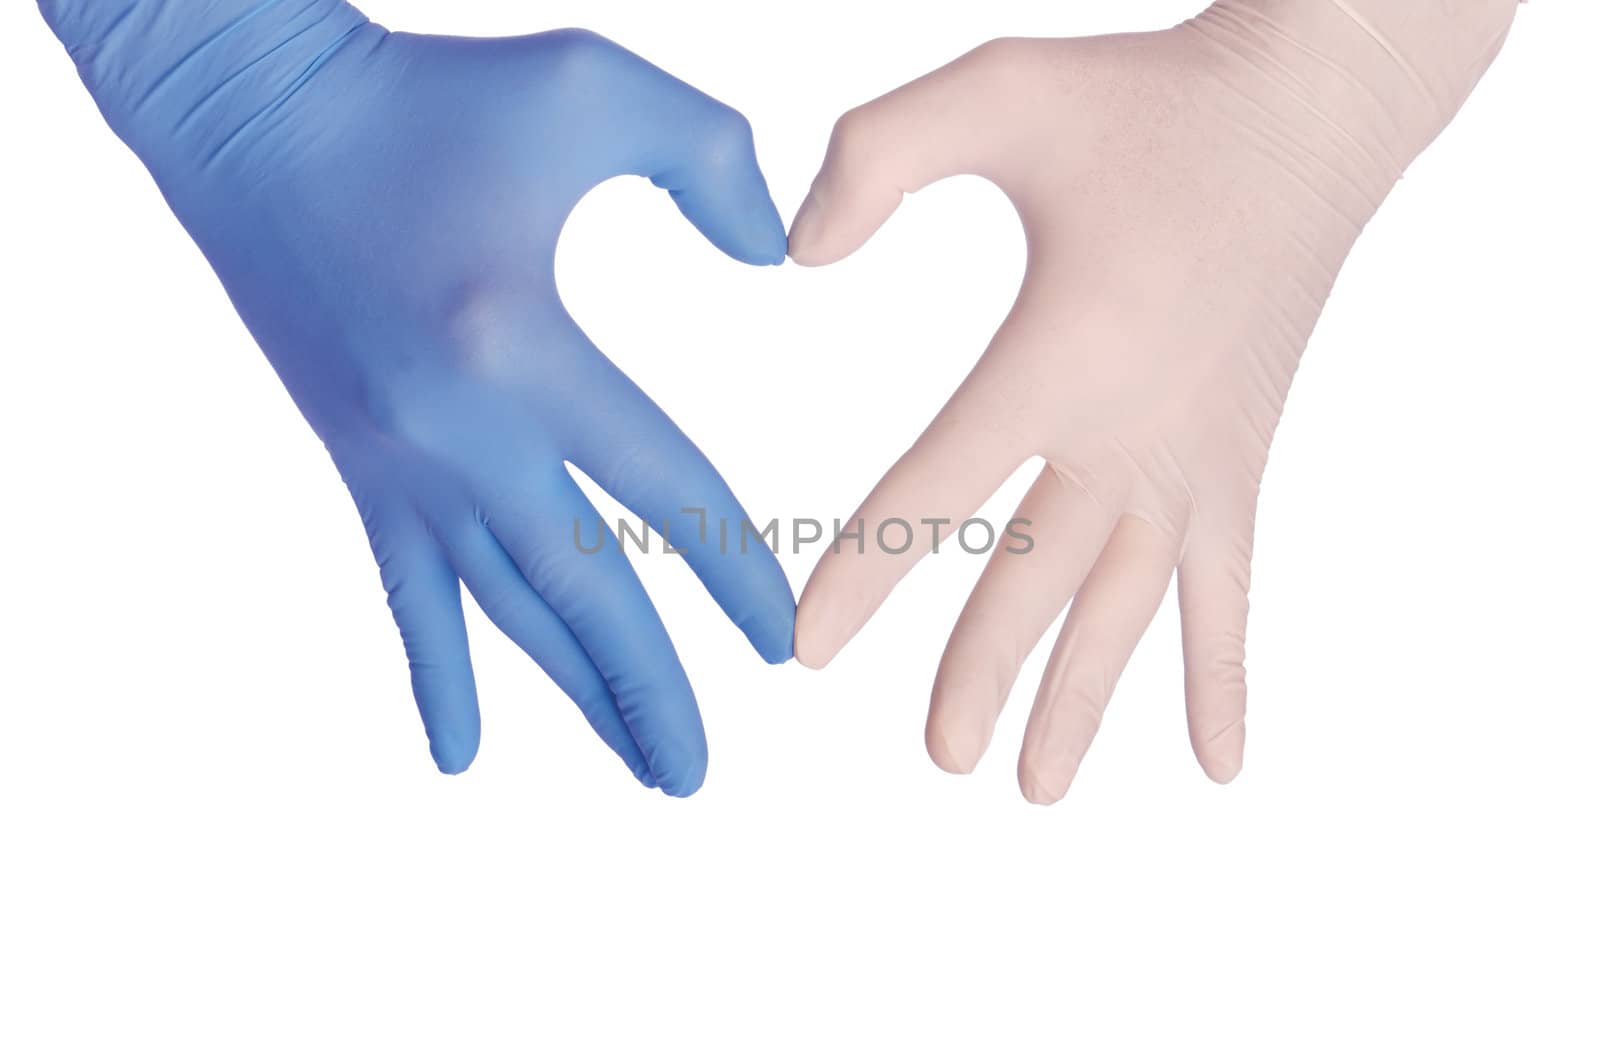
x=1188, y=196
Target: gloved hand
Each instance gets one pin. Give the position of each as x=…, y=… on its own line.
x=383, y=210
x=1188, y=197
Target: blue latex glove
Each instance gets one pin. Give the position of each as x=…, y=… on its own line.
x=383, y=210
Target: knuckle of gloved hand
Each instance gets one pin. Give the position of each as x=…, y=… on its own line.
x=1002, y=54
x=487, y=334
x=403, y=409
x=854, y=135
x=633, y=467
x=576, y=55
x=727, y=139
x=1011, y=65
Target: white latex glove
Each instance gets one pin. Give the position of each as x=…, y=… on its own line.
x=1188, y=198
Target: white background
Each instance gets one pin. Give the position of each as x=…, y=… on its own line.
x=221, y=836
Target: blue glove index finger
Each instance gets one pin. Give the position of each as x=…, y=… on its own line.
x=638, y=456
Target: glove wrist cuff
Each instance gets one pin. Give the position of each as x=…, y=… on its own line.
x=186, y=78
x=1393, y=74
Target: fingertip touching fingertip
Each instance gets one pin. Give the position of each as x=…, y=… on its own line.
x=755, y=250
x=815, y=645
x=802, y=242
x=734, y=210
x=771, y=241
x=774, y=246
x=806, y=252
x=811, y=655
x=772, y=637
